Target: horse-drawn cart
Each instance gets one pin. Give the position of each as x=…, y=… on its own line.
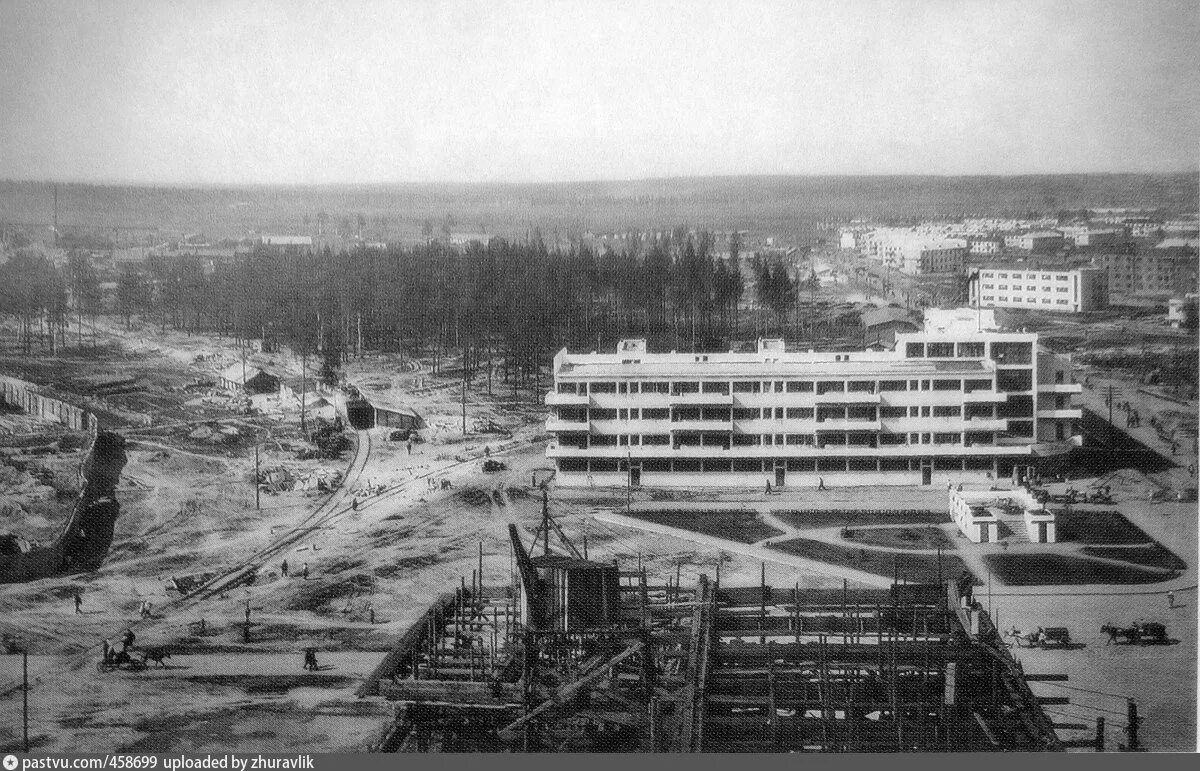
x=1138, y=634
x=120, y=660
x=1048, y=637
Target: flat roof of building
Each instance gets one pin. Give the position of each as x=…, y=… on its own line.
x=760, y=369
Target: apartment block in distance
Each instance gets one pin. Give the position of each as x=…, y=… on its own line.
x=1062, y=291
x=942, y=407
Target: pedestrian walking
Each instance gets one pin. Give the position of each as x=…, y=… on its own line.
x=409, y=447
x=1171, y=599
x=78, y=603
x=768, y=487
x=305, y=571
x=283, y=568
x=371, y=613
x=820, y=483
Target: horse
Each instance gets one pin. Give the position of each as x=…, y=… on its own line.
x=1131, y=634
x=156, y=654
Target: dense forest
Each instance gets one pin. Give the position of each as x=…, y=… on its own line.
x=515, y=301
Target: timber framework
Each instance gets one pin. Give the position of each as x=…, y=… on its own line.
x=581, y=656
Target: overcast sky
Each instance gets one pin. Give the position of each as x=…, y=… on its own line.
x=350, y=91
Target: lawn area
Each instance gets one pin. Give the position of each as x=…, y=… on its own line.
x=1155, y=555
x=1051, y=569
x=914, y=568
x=810, y=519
x=926, y=537
x=1098, y=527
x=734, y=524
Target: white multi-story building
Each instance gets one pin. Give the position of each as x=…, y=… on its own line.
x=1082, y=235
x=941, y=407
x=916, y=250
x=1062, y=291
x=1039, y=242
x=985, y=245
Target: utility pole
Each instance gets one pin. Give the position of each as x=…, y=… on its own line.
x=1132, y=722
x=256, y=478
x=25, y=667
x=545, y=522
x=628, y=481
x=1109, y=402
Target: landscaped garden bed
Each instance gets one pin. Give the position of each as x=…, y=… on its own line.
x=1098, y=527
x=925, y=537
x=913, y=568
x=1154, y=555
x=810, y=519
x=734, y=524
x=1057, y=569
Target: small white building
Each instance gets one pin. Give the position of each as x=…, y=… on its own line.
x=979, y=515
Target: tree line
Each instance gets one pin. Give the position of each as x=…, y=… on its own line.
x=512, y=301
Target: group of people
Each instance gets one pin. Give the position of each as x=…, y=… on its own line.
x=283, y=569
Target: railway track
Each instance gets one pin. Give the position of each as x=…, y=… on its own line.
x=316, y=519
x=312, y=522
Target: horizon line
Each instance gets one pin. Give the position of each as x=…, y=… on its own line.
x=591, y=181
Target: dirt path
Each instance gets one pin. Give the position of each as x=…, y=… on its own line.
x=748, y=550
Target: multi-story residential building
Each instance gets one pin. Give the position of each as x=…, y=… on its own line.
x=941, y=407
x=1162, y=270
x=1084, y=236
x=1036, y=243
x=1062, y=291
x=986, y=245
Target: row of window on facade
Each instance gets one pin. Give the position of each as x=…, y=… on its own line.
x=820, y=387
x=1017, y=288
x=1045, y=276
x=1031, y=300
x=1017, y=406
x=758, y=465
x=1017, y=429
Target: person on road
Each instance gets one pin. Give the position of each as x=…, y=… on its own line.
x=768, y=487
x=820, y=483
x=283, y=568
x=1171, y=599
x=304, y=572
x=78, y=603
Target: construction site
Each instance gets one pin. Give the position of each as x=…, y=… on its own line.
x=585, y=656
x=455, y=598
